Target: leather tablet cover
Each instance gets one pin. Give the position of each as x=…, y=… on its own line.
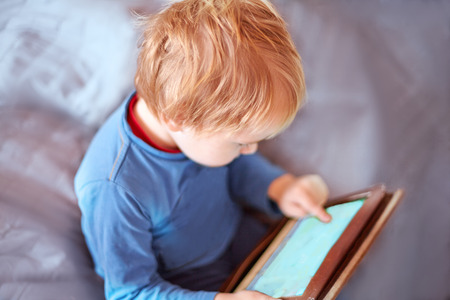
x=344, y=256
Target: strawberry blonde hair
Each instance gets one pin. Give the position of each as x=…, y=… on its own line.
x=214, y=65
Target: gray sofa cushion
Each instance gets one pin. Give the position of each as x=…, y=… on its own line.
x=42, y=250
x=76, y=55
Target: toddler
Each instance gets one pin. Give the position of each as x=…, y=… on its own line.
x=164, y=182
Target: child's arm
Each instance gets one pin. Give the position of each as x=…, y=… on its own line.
x=255, y=182
x=119, y=235
x=299, y=196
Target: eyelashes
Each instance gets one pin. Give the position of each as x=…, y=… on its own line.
x=243, y=145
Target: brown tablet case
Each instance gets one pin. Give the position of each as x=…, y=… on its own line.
x=343, y=257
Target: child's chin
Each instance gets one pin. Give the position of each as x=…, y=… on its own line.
x=214, y=164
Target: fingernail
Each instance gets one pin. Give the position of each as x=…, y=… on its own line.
x=327, y=219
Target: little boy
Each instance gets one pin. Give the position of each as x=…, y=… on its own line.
x=163, y=183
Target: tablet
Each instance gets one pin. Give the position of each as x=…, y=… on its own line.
x=308, y=259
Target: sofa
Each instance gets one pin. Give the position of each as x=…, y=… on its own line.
x=377, y=111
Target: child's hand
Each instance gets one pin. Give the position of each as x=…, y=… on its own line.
x=299, y=196
x=243, y=295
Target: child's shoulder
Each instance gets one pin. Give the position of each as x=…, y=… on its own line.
x=105, y=151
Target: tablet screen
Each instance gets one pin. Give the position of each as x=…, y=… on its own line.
x=291, y=267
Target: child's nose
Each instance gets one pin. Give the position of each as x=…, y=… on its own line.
x=249, y=149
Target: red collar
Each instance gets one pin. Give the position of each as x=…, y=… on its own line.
x=139, y=131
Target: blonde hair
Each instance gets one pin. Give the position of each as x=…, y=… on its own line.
x=214, y=65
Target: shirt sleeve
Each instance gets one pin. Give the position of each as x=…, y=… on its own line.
x=119, y=236
x=250, y=177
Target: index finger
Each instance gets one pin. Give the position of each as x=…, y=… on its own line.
x=318, y=211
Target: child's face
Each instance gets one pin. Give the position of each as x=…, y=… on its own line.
x=218, y=149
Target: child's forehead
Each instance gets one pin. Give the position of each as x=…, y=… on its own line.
x=264, y=126
x=250, y=134
x=263, y=130
x=252, y=138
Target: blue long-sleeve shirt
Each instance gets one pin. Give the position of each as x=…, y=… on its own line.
x=147, y=213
